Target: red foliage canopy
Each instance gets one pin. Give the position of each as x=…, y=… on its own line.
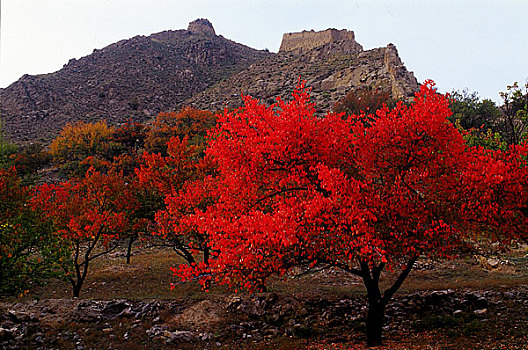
x=93, y=206
x=295, y=188
x=89, y=214
x=180, y=177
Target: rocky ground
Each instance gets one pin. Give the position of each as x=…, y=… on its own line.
x=309, y=312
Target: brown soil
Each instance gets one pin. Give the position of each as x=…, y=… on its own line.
x=459, y=304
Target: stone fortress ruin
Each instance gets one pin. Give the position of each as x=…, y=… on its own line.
x=307, y=40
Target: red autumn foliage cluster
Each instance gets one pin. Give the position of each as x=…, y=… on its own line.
x=90, y=214
x=117, y=184
x=188, y=123
x=179, y=178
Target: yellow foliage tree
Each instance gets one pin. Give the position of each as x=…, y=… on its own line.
x=78, y=141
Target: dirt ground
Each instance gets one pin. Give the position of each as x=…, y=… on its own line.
x=468, y=303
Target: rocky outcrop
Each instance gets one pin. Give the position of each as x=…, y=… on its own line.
x=201, y=26
x=331, y=70
x=245, y=320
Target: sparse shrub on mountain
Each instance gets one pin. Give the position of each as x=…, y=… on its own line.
x=365, y=100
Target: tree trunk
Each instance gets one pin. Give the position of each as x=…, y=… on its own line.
x=76, y=285
x=80, y=277
x=206, y=254
x=76, y=290
x=375, y=317
x=129, y=248
x=376, y=301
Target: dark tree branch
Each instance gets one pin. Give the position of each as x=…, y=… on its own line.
x=106, y=251
x=280, y=192
x=399, y=281
x=342, y=266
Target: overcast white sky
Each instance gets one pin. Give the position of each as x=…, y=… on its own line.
x=481, y=45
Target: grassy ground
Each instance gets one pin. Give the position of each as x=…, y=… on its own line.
x=148, y=277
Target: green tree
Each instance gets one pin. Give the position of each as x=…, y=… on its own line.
x=7, y=149
x=28, y=249
x=478, y=120
x=472, y=112
x=515, y=113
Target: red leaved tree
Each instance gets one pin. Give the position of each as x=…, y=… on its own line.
x=294, y=189
x=180, y=178
x=123, y=154
x=89, y=214
x=188, y=122
x=175, y=165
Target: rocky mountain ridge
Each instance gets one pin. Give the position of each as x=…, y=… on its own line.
x=330, y=70
x=134, y=78
x=142, y=76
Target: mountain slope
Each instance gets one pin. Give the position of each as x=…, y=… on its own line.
x=329, y=70
x=136, y=78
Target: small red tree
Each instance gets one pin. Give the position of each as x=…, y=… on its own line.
x=295, y=189
x=179, y=179
x=124, y=148
x=175, y=165
x=89, y=214
x=189, y=123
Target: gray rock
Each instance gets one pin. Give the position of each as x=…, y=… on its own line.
x=493, y=263
x=480, y=311
x=254, y=306
x=182, y=336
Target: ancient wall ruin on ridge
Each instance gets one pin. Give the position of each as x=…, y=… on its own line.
x=307, y=40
